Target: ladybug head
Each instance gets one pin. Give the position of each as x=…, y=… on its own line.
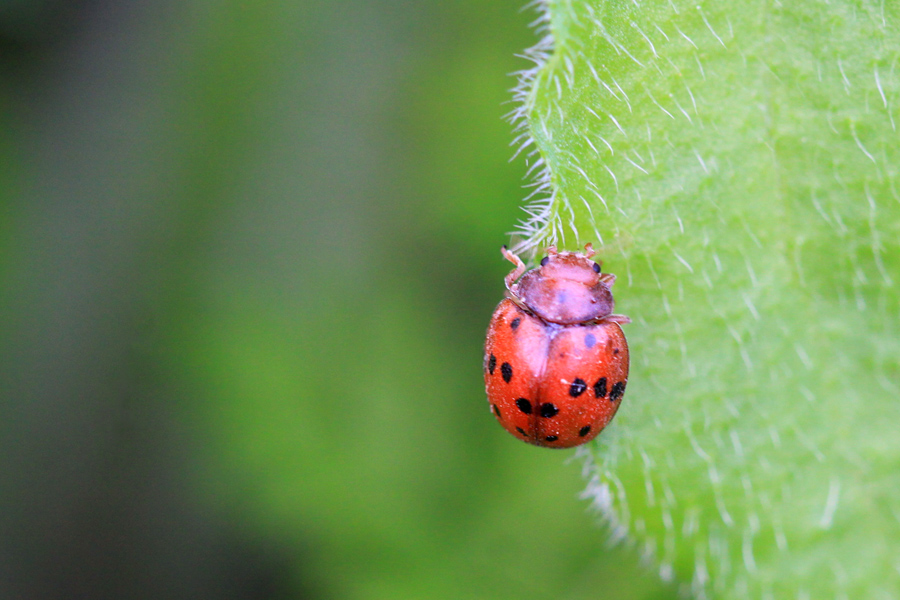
x=571, y=266
x=567, y=288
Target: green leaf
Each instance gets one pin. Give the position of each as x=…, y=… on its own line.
x=738, y=164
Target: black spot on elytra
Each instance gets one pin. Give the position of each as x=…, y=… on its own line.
x=522, y=431
x=496, y=411
x=600, y=388
x=615, y=350
x=584, y=431
x=590, y=340
x=515, y=323
x=524, y=405
x=506, y=371
x=548, y=410
x=492, y=364
x=577, y=388
x=617, y=391
x=551, y=438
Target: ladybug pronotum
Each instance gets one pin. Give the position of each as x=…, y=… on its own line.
x=555, y=358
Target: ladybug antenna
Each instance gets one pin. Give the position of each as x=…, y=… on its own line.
x=589, y=250
x=515, y=273
x=551, y=250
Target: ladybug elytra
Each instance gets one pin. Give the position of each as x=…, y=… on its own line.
x=555, y=358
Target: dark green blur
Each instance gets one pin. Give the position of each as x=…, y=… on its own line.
x=248, y=255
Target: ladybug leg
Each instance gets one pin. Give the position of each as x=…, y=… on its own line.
x=515, y=273
x=517, y=301
x=608, y=278
x=617, y=319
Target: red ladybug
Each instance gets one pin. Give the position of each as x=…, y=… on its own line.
x=555, y=358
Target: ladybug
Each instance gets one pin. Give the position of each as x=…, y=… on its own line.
x=555, y=358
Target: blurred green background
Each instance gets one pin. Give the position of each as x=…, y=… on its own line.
x=249, y=253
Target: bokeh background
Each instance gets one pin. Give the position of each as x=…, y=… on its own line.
x=248, y=255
